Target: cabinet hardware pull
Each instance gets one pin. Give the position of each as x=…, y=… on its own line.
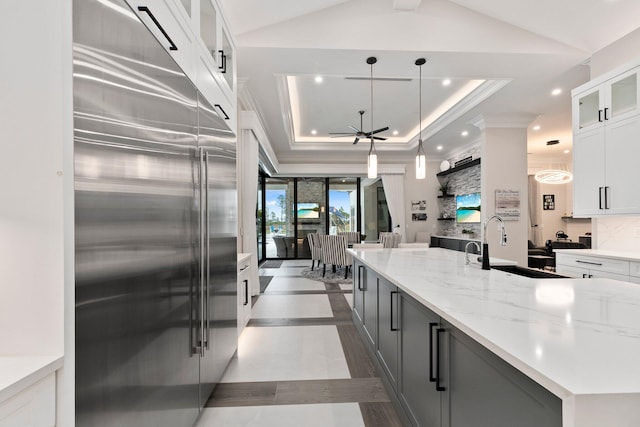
x=606, y=115
x=438, y=386
x=588, y=262
x=600, y=197
x=432, y=377
x=391, y=312
x=584, y=275
x=590, y=276
x=244, y=268
x=600, y=116
x=223, y=112
x=360, y=270
x=223, y=62
x=606, y=197
x=246, y=291
x=155, y=21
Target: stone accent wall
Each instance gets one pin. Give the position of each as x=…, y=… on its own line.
x=464, y=182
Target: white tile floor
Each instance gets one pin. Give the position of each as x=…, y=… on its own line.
x=283, y=353
x=288, y=353
x=319, y=415
x=291, y=306
x=349, y=298
x=283, y=284
x=346, y=286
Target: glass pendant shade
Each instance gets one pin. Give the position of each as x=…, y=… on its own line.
x=421, y=166
x=372, y=165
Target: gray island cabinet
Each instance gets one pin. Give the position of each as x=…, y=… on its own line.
x=461, y=347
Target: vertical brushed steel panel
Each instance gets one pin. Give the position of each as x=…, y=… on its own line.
x=221, y=191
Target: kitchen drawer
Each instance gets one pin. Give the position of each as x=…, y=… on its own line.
x=634, y=269
x=609, y=265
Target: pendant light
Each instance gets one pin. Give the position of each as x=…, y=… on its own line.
x=553, y=176
x=421, y=158
x=372, y=157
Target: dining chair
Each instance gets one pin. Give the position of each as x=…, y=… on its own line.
x=390, y=240
x=352, y=236
x=316, y=249
x=334, y=252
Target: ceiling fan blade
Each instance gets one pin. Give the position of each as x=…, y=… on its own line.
x=354, y=129
x=356, y=140
x=378, y=130
x=378, y=137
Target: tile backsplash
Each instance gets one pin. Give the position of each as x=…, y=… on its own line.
x=619, y=233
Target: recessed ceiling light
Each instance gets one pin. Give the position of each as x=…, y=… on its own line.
x=465, y=133
x=566, y=151
x=439, y=147
x=395, y=132
x=446, y=82
x=536, y=127
x=557, y=91
x=314, y=132
x=318, y=79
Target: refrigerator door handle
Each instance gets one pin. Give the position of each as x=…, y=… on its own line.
x=202, y=284
x=207, y=331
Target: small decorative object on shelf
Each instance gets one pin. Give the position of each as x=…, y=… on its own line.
x=468, y=232
x=444, y=165
x=444, y=188
x=462, y=161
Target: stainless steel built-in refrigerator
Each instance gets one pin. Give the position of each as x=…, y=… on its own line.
x=155, y=229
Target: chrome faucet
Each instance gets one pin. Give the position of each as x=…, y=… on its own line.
x=485, y=244
x=466, y=252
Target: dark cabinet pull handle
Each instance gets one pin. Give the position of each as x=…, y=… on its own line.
x=606, y=197
x=246, y=291
x=360, y=270
x=226, y=117
x=600, y=115
x=606, y=116
x=391, y=312
x=223, y=65
x=588, y=262
x=155, y=21
x=432, y=377
x=438, y=386
x=599, y=197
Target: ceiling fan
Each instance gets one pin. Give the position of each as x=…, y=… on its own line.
x=358, y=133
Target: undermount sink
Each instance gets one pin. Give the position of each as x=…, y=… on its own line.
x=527, y=272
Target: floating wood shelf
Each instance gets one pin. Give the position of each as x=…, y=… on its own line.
x=446, y=196
x=459, y=168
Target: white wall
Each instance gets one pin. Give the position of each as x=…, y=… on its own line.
x=616, y=54
x=36, y=186
x=504, y=167
x=421, y=189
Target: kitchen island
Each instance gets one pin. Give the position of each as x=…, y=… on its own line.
x=576, y=341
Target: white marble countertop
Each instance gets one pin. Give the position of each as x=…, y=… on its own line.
x=629, y=256
x=242, y=257
x=475, y=239
x=19, y=372
x=580, y=339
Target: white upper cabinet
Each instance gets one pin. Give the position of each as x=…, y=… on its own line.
x=195, y=34
x=606, y=125
x=610, y=101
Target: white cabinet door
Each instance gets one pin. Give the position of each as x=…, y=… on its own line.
x=607, y=275
x=244, y=294
x=34, y=406
x=622, y=148
x=588, y=109
x=588, y=168
x=621, y=97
